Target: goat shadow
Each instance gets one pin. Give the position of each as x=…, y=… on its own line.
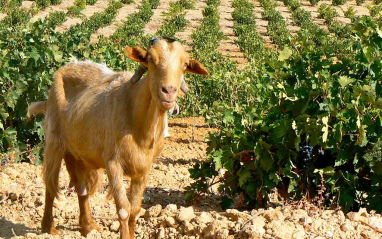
x=167, y=161
x=165, y=196
x=10, y=229
x=185, y=125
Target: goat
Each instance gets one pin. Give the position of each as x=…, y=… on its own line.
x=97, y=118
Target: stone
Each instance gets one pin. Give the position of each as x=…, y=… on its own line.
x=170, y=210
x=222, y=234
x=376, y=221
x=258, y=221
x=318, y=225
x=153, y=211
x=254, y=231
x=235, y=215
x=170, y=221
x=212, y=228
x=114, y=226
x=298, y=214
x=347, y=227
x=273, y=215
x=188, y=228
x=142, y=212
x=363, y=212
x=298, y=234
x=186, y=214
x=161, y=233
x=281, y=229
x=94, y=234
x=204, y=218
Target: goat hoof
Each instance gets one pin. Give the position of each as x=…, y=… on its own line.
x=51, y=230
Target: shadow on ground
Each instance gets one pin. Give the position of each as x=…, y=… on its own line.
x=164, y=197
x=167, y=161
x=10, y=229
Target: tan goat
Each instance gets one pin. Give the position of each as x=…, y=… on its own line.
x=96, y=118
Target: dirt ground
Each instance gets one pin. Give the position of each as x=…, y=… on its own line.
x=165, y=214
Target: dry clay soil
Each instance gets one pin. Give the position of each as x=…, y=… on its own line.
x=165, y=214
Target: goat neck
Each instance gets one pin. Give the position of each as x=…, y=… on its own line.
x=147, y=117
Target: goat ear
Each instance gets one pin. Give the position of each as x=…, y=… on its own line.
x=136, y=54
x=196, y=67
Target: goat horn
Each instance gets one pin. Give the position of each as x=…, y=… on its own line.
x=184, y=87
x=138, y=73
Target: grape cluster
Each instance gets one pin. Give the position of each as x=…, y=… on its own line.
x=305, y=156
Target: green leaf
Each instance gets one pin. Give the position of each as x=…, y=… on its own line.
x=344, y=81
x=338, y=132
x=244, y=175
x=217, y=158
x=325, y=129
x=285, y=54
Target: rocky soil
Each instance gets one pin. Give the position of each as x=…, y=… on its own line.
x=164, y=212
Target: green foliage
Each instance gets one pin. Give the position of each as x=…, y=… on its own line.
x=131, y=31
x=15, y=17
x=359, y=2
x=314, y=2
x=249, y=40
x=293, y=4
x=277, y=27
x=43, y=3
x=9, y=4
x=187, y=4
x=76, y=9
x=338, y=2
x=56, y=2
x=350, y=13
x=375, y=10
x=327, y=12
x=91, y=2
x=312, y=93
x=154, y=3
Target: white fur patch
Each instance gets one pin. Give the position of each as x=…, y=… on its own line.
x=123, y=214
x=105, y=71
x=82, y=190
x=166, y=134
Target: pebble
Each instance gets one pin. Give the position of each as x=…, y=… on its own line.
x=347, y=227
x=114, y=226
x=186, y=214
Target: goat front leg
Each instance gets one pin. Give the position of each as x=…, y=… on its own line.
x=115, y=175
x=137, y=187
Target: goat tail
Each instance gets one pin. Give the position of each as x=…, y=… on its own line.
x=59, y=90
x=37, y=108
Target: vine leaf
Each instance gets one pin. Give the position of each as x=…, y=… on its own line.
x=285, y=54
x=325, y=129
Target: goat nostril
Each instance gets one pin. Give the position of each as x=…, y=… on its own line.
x=164, y=90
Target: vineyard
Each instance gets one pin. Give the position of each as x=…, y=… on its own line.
x=282, y=140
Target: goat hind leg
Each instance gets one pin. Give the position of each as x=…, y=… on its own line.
x=137, y=188
x=47, y=225
x=115, y=175
x=52, y=163
x=87, y=222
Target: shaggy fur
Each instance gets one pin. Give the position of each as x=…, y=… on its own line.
x=96, y=118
